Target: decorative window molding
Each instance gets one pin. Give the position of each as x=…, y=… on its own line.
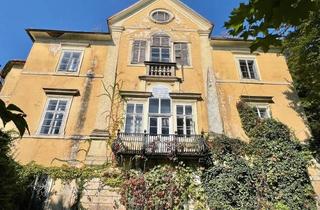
x=64, y=92
x=135, y=94
x=55, y=115
x=70, y=61
x=161, y=16
x=186, y=96
x=257, y=99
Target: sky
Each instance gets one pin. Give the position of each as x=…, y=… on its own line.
x=79, y=15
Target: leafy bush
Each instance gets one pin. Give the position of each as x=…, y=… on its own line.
x=230, y=184
x=163, y=187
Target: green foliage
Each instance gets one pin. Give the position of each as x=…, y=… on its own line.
x=303, y=55
x=163, y=187
x=248, y=116
x=230, y=184
x=269, y=20
x=15, y=114
x=279, y=163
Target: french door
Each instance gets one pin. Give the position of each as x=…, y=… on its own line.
x=159, y=125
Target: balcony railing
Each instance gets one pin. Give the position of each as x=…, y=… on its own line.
x=160, y=69
x=157, y=145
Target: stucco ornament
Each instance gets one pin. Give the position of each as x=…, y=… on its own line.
x=54, y=49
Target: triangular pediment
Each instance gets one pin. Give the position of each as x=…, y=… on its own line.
x=119, y=18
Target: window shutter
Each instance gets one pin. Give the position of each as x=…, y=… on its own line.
x=138, y=51
x=182, y=53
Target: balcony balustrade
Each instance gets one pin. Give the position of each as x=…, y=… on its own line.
x=160, y=145
x=160, y=69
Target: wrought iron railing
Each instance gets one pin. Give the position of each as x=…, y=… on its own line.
x=160, y=69
x=146, y=144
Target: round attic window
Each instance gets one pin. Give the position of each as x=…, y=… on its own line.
x=161, y=16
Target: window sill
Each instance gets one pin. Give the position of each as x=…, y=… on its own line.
x=136, y=65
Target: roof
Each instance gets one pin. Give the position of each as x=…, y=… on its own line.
x=143, y=3
x=6, y=69
x=35, y=34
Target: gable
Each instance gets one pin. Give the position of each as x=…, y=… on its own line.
x=140, y=12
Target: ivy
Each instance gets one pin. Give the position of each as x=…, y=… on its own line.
x=163, y=187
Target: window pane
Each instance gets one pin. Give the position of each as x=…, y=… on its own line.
x=155, y=54
x=165, y=55
x=244, y=69
x=188, y=110
x=154, y=105
x=52, y=105
x=251, y=69
x=129, y=124
x=153, y=126
x=165, y=106
x=130, y=108
x=180, y=110
x=62, y=105
x=139, y=108
x=138, y=124
x=165, y=126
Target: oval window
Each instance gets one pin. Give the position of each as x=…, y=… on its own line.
x=161, y=16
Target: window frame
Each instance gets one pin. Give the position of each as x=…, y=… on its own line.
x=132, y=52
x=72, y=50
x=65, y=117
x=191, y=103
x=171, y=16
x=256, y=106
x=161, y=47
x=185, y=116
x=134, y=114
x=255, y=64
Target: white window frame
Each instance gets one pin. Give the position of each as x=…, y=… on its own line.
x=142, y=101
x=264, y=106
x=191, y=103
x=134, y=114
x=65, y=117
x=64, y=50
x=256, y=67
x=184, y=115
x=171, y=16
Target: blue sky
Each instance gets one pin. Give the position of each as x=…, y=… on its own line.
x=80, y=15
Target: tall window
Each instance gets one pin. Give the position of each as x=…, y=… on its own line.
x=185, y=125
x=134, y=116
x=160, y=48
x=248, y=69
x=70, y=61
x=138, y=51
x=159, y=116
x=54, y=116
x=182, y=54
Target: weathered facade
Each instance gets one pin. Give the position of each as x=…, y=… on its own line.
x=174, y=80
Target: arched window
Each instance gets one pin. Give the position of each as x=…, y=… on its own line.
x=160, y=48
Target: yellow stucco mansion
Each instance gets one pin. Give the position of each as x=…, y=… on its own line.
x=160, y=68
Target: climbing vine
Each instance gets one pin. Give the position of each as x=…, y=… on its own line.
x=163, y=187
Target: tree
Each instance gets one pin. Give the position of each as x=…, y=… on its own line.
x=302, y=49
x=11, y=190
x=269, y=21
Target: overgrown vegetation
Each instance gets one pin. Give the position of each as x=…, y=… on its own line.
x=302, y=49
x=163, y=187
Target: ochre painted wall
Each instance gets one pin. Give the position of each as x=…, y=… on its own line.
x=275, y=81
